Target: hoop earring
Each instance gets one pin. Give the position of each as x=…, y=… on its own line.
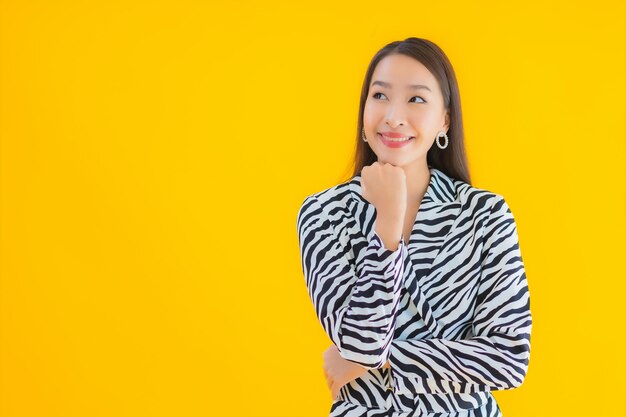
x=363, y=135
x=446, y=140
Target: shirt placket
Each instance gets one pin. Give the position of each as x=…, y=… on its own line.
x=390, y=386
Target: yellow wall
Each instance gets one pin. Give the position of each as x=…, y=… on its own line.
x=154, y=156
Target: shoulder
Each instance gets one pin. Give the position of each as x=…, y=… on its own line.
x=327, y=203
x=484, y=206
x=477, y=199
x=489, y=208
x=489, y=212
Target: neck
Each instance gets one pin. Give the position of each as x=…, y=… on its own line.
x=417, y=180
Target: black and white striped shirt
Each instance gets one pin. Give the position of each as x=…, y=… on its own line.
x=449, y=309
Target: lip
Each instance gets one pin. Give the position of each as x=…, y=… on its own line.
x=395, y=135
x=392, y=144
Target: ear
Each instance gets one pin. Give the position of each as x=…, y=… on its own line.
x=447, y=122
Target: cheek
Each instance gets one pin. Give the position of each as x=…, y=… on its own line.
x=421, y=119
x=425, y=124
x=369, y=114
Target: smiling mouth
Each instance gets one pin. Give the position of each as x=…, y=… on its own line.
x=404, y=139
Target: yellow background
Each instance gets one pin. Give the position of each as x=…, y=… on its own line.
x=155, y=154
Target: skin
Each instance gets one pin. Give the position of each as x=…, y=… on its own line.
x=396, y=183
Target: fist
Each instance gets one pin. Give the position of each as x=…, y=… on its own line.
x=339, y=371
x=384, y=186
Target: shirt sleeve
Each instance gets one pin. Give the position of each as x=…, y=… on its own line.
x=357, y=311
x=497, y=355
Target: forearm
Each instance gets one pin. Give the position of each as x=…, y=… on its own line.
x=356, y=304
x=389, y=229
x=480, y=363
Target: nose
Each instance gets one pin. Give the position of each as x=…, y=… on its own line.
x=395, y=116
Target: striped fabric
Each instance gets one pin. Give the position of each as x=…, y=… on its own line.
x=449, y=309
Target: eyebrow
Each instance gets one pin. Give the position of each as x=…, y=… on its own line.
x=412, y=87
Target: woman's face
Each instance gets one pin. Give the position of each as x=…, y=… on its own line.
x=393, y=106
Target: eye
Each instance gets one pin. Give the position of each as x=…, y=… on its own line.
x=379, y=93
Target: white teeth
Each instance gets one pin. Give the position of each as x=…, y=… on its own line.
x=397, y=139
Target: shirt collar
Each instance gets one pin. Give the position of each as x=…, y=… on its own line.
x=441, y=188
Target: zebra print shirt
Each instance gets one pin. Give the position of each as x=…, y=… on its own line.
x=449, y=309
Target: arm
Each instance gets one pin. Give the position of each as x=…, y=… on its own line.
x=497, y=356
x=356, y=311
